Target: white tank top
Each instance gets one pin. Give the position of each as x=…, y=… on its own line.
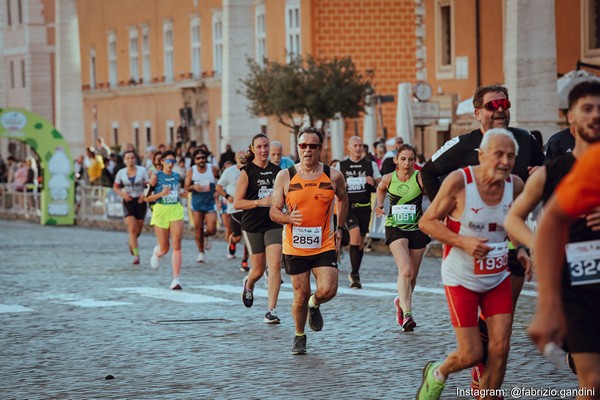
x=204, y=179
x=484, y=221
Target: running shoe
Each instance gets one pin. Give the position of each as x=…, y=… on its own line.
x=399, y=312
x=207, y=242
x=175, y=285
x=230, y=249
x=315, y=319
x=355, y=281
x=476, y=374
x=408, y=324
x=247, y=295
x=136, y=260
x=244, y=266
x=155, y=260
x=271, y=317
x=299, y=345
x=431, y=388
x=200, y=258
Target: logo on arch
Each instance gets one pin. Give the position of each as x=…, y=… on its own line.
x=14, y=121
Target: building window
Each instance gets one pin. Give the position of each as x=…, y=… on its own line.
x=261, y=34
x=195, y=41
x=444, y=41
x=171, y=132
x=293, y=42
x=148, y=128
x=136, y=135
x=93, y=69
x=590, y=17
x=133, y=55
x=146, y=54
x=23, y=74
x=217, y=23
x=20, y=11
x=12, y=74
x=168, y=49
x=8, y=12
x=115, y=133
x=112, y=59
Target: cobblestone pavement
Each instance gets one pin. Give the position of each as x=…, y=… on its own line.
x=74, y=310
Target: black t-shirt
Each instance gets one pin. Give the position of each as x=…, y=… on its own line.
x=463, y=150
x=560, y=143
x=260, y=184
x=358, y=190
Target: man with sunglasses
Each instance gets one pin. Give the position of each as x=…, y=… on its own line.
x=311, y=242
x=362, y=177
x=492, y=107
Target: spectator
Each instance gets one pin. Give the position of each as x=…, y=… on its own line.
x=95, y=166
x=379, y=153
x=388, y=165
x=150, y=152
x=3, y=170
x=538, y=138
x=11, y=165
x=101, y=148
x=227, y=155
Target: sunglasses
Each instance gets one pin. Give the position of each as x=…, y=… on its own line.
x=170, y=161
x=313, y=146
x=494, y=105
x=200, y=158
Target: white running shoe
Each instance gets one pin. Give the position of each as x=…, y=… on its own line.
x=207, y=242
x=155, y=260
x=175, y=285
x=200, y=258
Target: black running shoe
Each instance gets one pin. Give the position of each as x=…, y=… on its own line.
x=299, y=345
x=355, y=281
x=315, y=319
x=244, y=266
x=271, y=317
x=247, y=296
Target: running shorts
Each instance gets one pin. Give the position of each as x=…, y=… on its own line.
x=235, y=223
x=257, y=242
x=202, y=205
x=359, y=217
x=295, y=265
x=464, y=304
x=514, y=266
x=416, y=239
x=583, y=318
x=135, y=209
x=164, y=214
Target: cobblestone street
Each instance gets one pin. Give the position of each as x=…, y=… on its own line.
x=73, y=310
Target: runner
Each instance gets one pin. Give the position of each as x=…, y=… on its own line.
x=262, y=236
x=362, y=177
x=473, y=202
x=129, y=184
x=167, y=215
x=307, y=191
x=407, y=243
x=200, y=182
x=569, y=289
x=226, y=187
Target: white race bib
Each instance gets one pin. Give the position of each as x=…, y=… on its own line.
x=584, y=262
x=264, y=192
x=173, y=195
x=356, y=184
x=204, y=185
x=404, y=213
x=306, y=238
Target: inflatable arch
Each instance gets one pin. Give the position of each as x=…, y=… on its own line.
x=58, y=181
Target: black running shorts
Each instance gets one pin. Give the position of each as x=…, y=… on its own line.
x=514, y=266
x=416, y=239
x=134, y=209
x=359, y=217
x=295, y=265
x=583, y=317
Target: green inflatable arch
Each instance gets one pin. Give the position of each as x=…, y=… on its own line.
x=58, y=181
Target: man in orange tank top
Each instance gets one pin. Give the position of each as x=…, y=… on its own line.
x=303, y=200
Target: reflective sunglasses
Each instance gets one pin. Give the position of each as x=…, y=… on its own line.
x=170, y=161
x=494, y=105
x=200, y=158
x=313, y=146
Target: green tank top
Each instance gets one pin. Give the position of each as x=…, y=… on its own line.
x=405, y=203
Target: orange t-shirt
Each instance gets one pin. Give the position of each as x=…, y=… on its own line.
x=314, y=199
x=579, y=192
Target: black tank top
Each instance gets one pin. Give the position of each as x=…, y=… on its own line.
x=260, y=184
x=358, y=190
x=556, y=170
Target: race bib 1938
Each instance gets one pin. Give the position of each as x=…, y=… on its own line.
x=494, y=262
x=584, y=262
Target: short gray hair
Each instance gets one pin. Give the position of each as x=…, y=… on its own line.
x=488, y=135
x=277, y=143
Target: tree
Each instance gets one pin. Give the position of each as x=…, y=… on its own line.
x=317, y=88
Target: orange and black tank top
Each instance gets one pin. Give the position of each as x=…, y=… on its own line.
x=314, y=199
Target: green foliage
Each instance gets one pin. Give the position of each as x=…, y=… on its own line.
x=318, y=88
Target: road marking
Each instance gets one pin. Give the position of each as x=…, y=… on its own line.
x=238, y=290
x=173, y=295
x=92, y=303
x=14, y=308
